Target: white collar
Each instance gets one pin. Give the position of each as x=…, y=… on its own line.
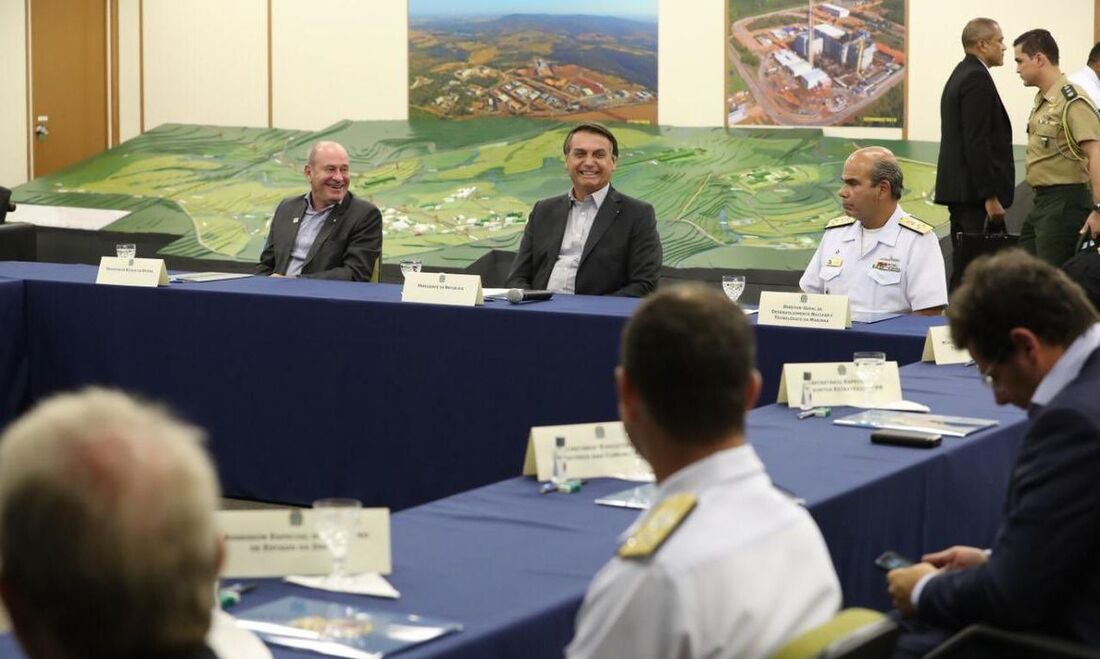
x=1067, y=367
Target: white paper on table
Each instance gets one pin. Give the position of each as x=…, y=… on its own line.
x=368, y=583
x=896, y=406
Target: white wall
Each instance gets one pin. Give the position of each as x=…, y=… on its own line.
x=206, y=62
x=129, y=70
x=935, y=28
x=13, y=82
x=691, y=71
x=351, y=67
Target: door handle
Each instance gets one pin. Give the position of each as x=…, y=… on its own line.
x=41, y=131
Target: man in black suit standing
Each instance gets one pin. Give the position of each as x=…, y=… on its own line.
x=593, y=240
x=1036, y=340
x=975, y=176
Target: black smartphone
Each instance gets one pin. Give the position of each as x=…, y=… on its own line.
x=891, y=560
x=909, y=438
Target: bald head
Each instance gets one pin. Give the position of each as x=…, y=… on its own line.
x=982, y=38
x=978, y=29
x=881, y=166
x=325, y=148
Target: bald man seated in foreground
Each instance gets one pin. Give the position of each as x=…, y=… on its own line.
x=884, y=259
x=107, y=534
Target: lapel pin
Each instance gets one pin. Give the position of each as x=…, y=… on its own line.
x=294, y=221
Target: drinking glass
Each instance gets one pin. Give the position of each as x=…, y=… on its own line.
x=336, y=521
x=733, y=286
x=126, y=250
x=410, y=265
x=869, y=370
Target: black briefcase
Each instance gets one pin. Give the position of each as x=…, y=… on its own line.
x=969, y=246
x=1084, y=268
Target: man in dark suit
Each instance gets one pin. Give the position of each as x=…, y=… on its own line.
x=327, y=233
x=1036, y=340
x=975, y=175
x=593, y=240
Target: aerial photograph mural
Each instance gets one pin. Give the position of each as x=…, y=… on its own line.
x=811, y=63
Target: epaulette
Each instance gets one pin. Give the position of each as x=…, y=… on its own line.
x=1069, y=92
x=841, y=221
x=915, y=224
x=658, y=525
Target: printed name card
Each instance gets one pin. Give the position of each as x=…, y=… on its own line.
x=131, y=272
x=939, y=348
x=804, y=310
x=279, y=543
x=590, y=450
x=839, y=383
x=442, y=288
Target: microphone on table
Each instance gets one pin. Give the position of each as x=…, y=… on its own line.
x=517, y=295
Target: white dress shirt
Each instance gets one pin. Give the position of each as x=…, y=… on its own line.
x=745, y=572
x=1087, y=79
x=582, y=214
x=889, y=270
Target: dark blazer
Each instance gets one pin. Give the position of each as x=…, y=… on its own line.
x=1042, y=574
x=622, y=255
x=346, y=248
x=975, y=139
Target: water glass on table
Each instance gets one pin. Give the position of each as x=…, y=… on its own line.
x=869, y=366
x=335, y=521
x=733, y=286
x=410, y=265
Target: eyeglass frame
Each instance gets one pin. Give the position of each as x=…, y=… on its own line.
x=987, y=375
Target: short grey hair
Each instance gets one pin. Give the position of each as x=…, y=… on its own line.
x=978, y=29
x=887, y=169
x=318, y=146
x=106, y=524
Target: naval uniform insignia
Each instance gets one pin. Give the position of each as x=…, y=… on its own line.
x=658, y=526
x=915, y=224
x=841, y=221
x=834, y=262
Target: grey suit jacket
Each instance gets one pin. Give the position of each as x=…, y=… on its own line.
x=622, y=255
x=346, y=248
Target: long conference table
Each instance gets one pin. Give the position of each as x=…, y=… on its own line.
x=512, y=565
x=315, y=388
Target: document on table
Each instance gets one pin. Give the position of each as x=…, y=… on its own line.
x=198, y=277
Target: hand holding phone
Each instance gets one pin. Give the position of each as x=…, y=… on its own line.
x=891, y=560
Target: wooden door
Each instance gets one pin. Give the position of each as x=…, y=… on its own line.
x=68, y=80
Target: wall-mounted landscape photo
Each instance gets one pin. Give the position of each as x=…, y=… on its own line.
x=509, y=58
x=811, y=63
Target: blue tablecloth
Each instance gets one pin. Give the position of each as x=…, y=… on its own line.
x=313, y=388
x=13, y=350
x=512, y=565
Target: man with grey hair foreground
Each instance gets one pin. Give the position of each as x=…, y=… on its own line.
x=723, y=564
x=107, y=533
x=884, y=259
x=327, y=233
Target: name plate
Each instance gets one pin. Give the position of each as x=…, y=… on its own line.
x=442, y=288
x=279, y=543
x=131, y=272
x=591, y=450
x=939, y=348
x=804, y=310
x=838, y=383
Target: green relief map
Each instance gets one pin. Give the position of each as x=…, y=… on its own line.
x=450, y=191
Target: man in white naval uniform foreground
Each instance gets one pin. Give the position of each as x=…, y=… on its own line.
x=723, y=564
x=882, y=258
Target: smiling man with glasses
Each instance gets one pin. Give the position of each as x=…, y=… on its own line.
x=1035, y=338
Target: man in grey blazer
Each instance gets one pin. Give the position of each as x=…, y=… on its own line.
x=593, y=240
x=327, y=233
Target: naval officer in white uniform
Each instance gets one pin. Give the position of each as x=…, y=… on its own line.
x=882, y=258
x=723, y=564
